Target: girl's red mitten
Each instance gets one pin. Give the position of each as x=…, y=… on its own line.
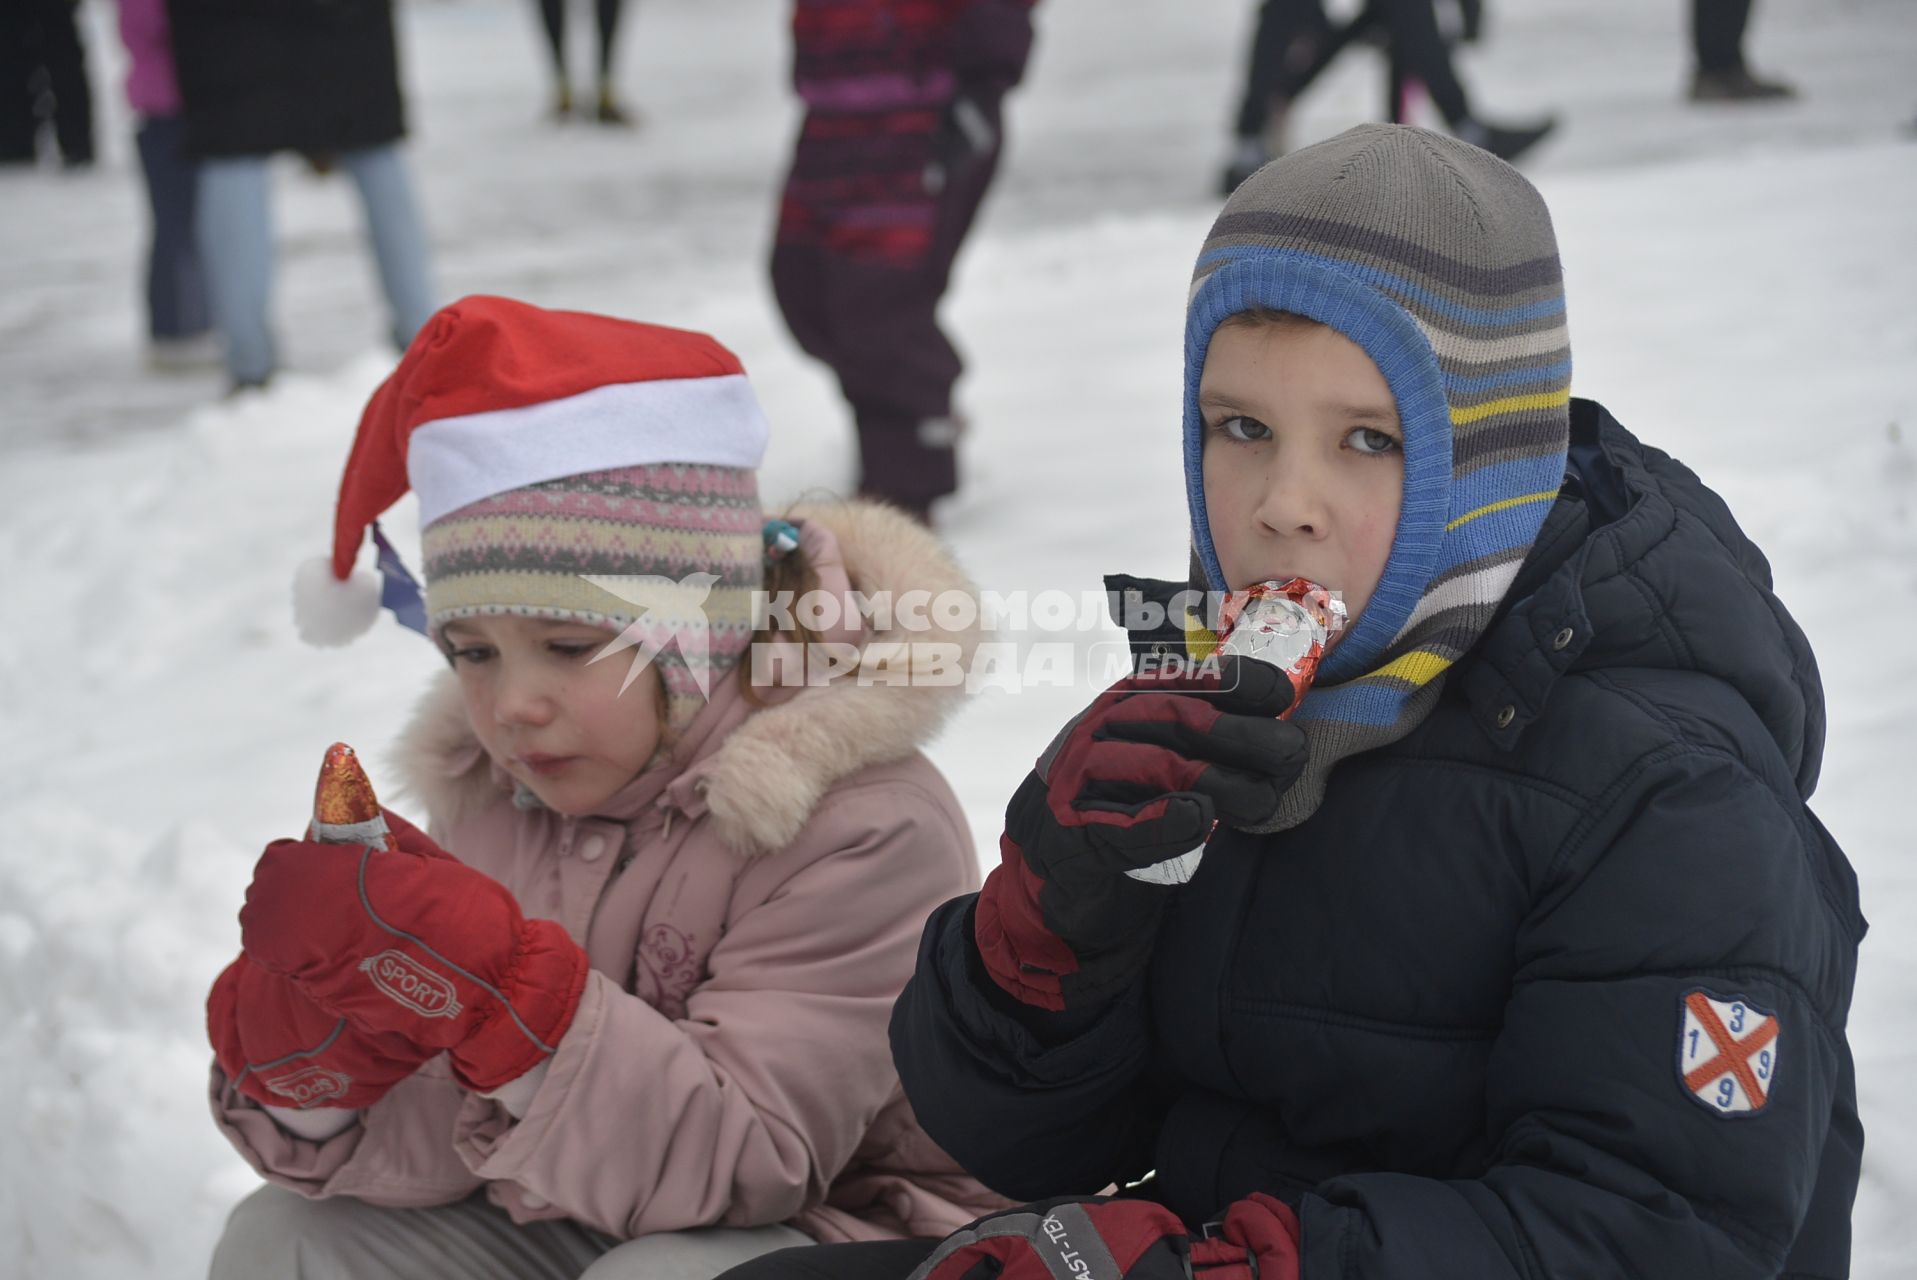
x=278, y=1047
x=412, y=942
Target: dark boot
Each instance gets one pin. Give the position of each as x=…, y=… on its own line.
x=1248, y=156
x=910, y=465
x=1506, y=142
x=1737, y=85
x=610, y=111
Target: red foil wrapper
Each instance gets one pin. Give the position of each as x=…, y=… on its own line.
x=1287, y=624
x=345, y=810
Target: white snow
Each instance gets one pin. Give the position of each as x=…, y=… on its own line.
x=1741, y=285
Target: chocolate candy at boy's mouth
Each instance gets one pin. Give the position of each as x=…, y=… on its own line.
x=1287, y=624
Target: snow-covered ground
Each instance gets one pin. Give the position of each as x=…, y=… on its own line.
x=1741, y=285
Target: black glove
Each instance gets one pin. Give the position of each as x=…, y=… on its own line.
x=1117, y=812
x=966, y=135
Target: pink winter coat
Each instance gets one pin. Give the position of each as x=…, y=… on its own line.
x=751, y=911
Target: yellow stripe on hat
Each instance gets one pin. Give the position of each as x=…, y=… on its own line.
x=1510, y=404
x=1503, y=504
x=1200, y=640
x=1419, y=667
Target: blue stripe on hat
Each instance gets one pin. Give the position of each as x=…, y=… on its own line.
x=1359, y=702
x=1501, y=480
x=1550, y=375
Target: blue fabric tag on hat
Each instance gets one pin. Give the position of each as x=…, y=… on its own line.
x=399, y=590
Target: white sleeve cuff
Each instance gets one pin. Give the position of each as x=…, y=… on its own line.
x=516, y=1095
x=316, y=1125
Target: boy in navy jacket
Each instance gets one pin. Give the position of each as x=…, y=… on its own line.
x=1515, y=951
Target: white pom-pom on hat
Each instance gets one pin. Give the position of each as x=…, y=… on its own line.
x=329, y=612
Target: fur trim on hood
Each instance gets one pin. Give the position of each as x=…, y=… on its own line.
x=761, y=783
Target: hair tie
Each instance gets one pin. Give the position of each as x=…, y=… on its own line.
x=781, y=540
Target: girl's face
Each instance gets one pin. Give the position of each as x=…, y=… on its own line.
x=547, y=715
x=1304, y=459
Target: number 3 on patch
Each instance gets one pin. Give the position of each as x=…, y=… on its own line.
x=1727, y=1051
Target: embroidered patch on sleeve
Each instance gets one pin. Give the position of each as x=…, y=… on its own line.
x=1727, y=1052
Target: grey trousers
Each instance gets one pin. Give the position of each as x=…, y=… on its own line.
x=276, y=1235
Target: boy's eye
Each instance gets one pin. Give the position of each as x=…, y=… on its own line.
x=1372, y=440
x=470, y=653
x=1246, y=429
x=571, y=649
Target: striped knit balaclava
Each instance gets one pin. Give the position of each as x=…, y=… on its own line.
x=567, y=465
x=1439, y=261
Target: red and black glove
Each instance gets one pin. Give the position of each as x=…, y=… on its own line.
x=415, y=943
x=1119, y=809
x=1120, y=1240
x=278, y=1047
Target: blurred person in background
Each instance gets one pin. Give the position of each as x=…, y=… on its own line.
x=43, y=79
x=1717, y=44
x=901, y=138
x=179, y=321
x=318, y=77
x=1284, y=54
x=606, y=108
x=1294, y=41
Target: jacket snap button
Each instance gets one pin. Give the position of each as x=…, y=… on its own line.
x=534, y=1203
x=1562, y=638
x=1506, y=716
x=591, y=847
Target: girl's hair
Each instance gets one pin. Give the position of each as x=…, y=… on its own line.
x=1268, y=317
x=789, y=573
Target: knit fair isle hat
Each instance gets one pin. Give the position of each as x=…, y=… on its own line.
x=546, y=446
x=1438, y=260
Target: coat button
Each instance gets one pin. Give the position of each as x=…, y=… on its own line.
x=1506, y=716
x=1562, y=638
x=591, y=847
x=533, y=1202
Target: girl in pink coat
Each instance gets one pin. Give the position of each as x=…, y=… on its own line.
x=624, y=1012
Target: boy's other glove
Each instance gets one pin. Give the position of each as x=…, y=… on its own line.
x=1118, y=809
x=415, y=943
x=279, y=1048
x=1120, y=1240
x=991, y=41
x=967, y=132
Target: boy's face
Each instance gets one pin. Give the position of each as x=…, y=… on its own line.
x=1304, y=458
x=548, y=715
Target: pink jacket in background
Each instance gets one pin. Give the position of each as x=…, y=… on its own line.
x=152, y=88
x=751, y=911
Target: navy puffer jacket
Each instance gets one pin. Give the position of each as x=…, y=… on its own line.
x=1507, y=1004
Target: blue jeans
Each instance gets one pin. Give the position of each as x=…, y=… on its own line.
x=175, y=287
x=236, y=246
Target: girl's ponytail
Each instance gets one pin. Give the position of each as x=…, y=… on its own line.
x=787, y=571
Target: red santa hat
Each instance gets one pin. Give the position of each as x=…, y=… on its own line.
x=494, y=395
